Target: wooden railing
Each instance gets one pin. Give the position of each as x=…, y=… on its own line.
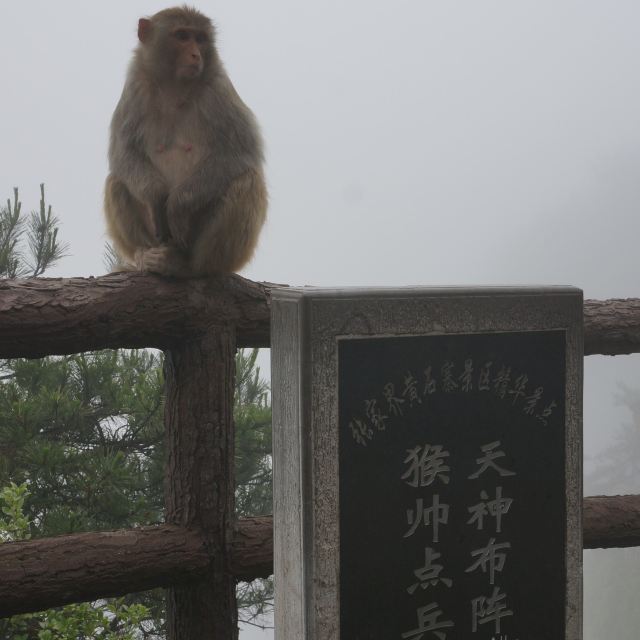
x=202, y=550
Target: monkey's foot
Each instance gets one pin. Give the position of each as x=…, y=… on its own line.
x=164, y=260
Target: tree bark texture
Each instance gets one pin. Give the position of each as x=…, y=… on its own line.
x=611, y=522
x=612, y=327
x=40, y=574
x=47, y=316
x=199, y=480
x=57, y=316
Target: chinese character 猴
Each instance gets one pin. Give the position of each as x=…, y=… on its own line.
x=425, y=465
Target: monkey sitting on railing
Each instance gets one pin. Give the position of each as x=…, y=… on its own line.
x=186, y=194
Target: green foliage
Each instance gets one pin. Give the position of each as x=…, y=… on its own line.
x=105, y=620
x=39, y=233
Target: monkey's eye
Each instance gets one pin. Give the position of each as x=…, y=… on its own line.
x=181, y=35
x=201, y=38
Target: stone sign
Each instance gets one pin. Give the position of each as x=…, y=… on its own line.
x=427, y=461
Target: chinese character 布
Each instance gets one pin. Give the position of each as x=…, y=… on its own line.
x=429, y=574
x=435, y=515
x=490, y=609
x=494, y=508
x=487, y=461
x=425, y=464
x=428, y=623
x=490, y=558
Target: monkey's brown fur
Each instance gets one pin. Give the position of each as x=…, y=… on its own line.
x=186, y=194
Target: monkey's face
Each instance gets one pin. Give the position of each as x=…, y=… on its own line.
x=187, y=48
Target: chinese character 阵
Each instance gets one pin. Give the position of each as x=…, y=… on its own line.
x=490, y=609
x=429, y=574
x=495, y=508
x=435, y=515
x=487, y=461
x=428, y=623
x=490, y=558
x=425, y=465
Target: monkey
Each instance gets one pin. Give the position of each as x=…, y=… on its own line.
x=185, y=195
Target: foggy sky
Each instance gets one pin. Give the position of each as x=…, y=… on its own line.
x=408, y=142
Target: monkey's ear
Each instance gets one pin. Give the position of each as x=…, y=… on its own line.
x=144, y=29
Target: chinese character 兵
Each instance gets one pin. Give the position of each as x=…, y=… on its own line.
x=428, y=623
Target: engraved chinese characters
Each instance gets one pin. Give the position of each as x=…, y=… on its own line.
x=452, y=467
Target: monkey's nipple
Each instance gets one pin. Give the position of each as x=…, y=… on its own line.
x=188, y=147
x=160, y=148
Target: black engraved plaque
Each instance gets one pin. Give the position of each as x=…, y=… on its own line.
x=452, y=487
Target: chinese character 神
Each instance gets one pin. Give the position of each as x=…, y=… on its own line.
x=428, y=623
x=389, y=392
x=487, y=461
x=430, y=573
x=374, y=413
x=425, y=465
x=435, y=515
x=465, y=376
x=410, y=389
x=483, y=380
x=490, y=557
x=429, y=382
x=518, y=389
x=495, y=508
x=489, y=609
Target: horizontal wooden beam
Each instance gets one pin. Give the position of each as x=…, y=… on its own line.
x=57, y=316
x=51, y=572
x=47, y=316
x=39, y=574
x=611, y=522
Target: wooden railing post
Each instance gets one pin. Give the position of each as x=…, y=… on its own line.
x=199, y=479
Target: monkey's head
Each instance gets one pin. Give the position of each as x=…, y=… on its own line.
x=177, y=44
